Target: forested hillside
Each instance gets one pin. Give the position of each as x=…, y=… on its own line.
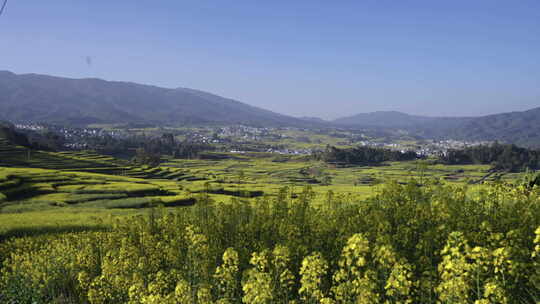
x=520, y=128
x=501, y=157
x=32, y=97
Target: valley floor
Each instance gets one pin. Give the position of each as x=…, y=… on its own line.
x=47, y=190
x=78, y=227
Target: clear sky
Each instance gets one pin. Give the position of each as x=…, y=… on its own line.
x=303, y=58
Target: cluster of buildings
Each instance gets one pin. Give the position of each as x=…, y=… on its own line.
x=244, y=133
x=258, y=138
x=68, y=132
x=427, y=148
x=30, y=126
x=441, y=147
x=73, y=138
x=290, y=151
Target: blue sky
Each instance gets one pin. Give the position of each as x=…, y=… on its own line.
x=303, y=58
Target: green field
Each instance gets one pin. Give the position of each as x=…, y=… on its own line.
x=46, y=189
x=79, y=227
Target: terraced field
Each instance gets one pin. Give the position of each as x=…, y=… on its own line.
x=16, y=156
x=69, y=189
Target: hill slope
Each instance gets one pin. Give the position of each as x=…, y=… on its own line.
x=388, y=119
x=521, y=128
x=84, y=101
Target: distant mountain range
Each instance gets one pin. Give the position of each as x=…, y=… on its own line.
x=42, y=98
x=32, y=97
x=394, y=119
x=314, y=119
x=521, y=128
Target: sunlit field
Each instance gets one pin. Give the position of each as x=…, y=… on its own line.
x=79, y=227
x=93, y=186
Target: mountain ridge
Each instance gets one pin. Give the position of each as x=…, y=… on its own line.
x=518, y=127
x=36, y=97
x=60, y=100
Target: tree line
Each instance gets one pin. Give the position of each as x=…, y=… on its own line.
x=362, y=155
x=501, y=156
x=150, y=151
x=141, y=149
x=505, y=157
